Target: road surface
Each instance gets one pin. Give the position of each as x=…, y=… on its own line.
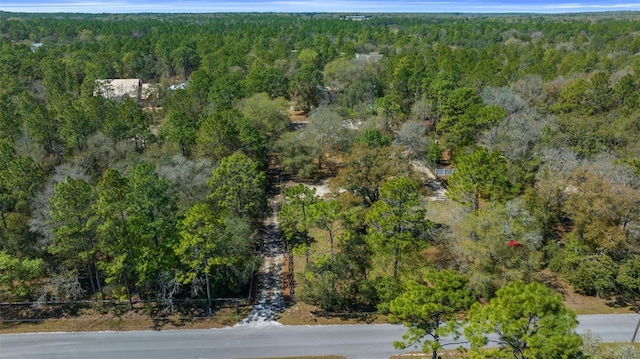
x=352, y=341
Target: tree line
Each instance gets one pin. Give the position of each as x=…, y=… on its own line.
x=537, y=113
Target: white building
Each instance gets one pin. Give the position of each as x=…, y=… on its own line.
x=119, y=89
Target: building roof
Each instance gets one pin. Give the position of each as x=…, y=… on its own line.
x=119, y=88
x=372, y=57
x=355, y=17
x=148, y=91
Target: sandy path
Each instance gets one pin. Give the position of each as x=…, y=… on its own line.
x=270, y=300
x=439, y=192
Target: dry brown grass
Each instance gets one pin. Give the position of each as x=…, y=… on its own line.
x=582, y=304
x=305, y=314
x=455, y=354
x=444, y=212
x=447, y=354
x=93, y=320
x=295, y=314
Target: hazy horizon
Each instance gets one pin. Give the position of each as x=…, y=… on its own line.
x=329, y=6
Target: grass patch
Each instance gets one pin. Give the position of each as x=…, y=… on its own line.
x=138, y=319
x=444, y=212
x=305, y=314
x=581, y=304
x=606, y=352
x=618, y=345
x=447, y=354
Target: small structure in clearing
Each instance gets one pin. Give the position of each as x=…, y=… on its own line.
x=370, y=57
x=119, y=89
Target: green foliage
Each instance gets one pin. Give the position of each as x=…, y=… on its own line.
x=594, y=276
x=227, y=89
x=9, y=120
x=457, y=103
x=326, y=133
x=185, y=57
x=130, y=123
x=530, y=321
x=388, y=288
x=296, y=155
x=74, y=126
x=227, y=131
x=296, y=216
x=219, y=249
x=587, y=97
x=303, y=152
x=151, y=222
x=573, y=97
x=16, y=274
x=20, y=177
x=489, y=81
x=40, y=126
x=397, y=224
x=373, y=138
x=463, y=116
x=589, y=274
x=588, y=141
x=262, y=78
x=498, y=245
x=180, y=128
x=628, y=276
x=434, y=153
x=238, y=188
x=74, y=226
x=341, y=283
x=326, y=215
x=116, y=242
x=362, y=92
x=137, y=227
x=480, y=174
x=390, y=108
x=431, y=310
x=625, y=93
x=600, y=208
x=305, y=85
x=365, y=169
x=267, y=114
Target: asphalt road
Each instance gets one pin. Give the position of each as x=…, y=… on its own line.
x=351, y=341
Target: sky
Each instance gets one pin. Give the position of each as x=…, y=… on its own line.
x=348, y=6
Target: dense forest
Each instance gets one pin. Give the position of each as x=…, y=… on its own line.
x=165, y=197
